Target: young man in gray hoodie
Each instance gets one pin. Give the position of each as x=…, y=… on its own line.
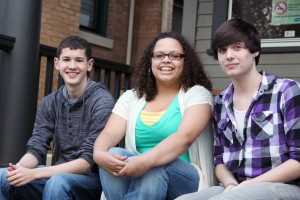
x=73, y=116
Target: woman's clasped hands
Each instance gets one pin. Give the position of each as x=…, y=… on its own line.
x=120, y=165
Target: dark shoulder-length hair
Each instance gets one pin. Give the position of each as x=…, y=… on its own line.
x=233, y=31
x=193, y=73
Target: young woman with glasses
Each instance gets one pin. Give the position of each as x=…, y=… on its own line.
x=165, y=120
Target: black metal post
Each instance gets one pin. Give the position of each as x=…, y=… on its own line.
x=19, y=76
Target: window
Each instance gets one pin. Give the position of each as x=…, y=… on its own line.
x=177, y=16
x=93, y=16
x=280, y=32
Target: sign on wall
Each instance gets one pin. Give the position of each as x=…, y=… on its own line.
x=278, y=21
x=285, y=12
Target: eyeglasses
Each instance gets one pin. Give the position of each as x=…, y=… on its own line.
x=171, y=56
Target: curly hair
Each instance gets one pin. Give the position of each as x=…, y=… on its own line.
x=193, y=73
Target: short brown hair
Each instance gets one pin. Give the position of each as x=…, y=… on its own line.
x=75, y=42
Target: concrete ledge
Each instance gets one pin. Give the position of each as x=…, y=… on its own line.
x=49, y=159
x=97, y=39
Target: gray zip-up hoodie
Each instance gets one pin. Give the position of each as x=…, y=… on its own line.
x=75, y=124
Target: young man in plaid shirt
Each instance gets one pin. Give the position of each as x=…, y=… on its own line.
x=257, y=124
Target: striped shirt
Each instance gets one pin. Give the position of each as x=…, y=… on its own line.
x=271, y=129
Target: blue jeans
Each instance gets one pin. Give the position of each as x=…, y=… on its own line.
x=59, y=186
x=165, y=182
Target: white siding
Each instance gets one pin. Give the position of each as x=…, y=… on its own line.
x=202, y=44
x=281, y=64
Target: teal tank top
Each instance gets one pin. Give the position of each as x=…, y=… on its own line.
x=146, y=137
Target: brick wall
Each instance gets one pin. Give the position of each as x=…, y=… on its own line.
x=117, y=30
x=147, y=23
x=60, y=18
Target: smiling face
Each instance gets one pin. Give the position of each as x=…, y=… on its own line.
x=167, y=71
x=236, y=60
x=73, y=65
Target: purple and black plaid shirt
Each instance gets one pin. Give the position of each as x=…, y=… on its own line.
x=271, y=129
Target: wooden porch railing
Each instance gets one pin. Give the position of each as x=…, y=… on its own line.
x=116, y=76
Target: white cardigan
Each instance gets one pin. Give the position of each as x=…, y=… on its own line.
x=201, y=151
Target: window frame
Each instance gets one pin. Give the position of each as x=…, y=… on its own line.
x=101, y=12
x=220, y=15
x=177, y=15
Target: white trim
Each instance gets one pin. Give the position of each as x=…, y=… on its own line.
x=229, y=9
x=164, y=16
x=189, y=20
x=130, y=30
x=49, y=159
x=97, y=39
x=282, y=42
